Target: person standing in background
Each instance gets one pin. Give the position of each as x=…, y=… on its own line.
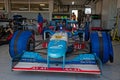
x=40, y=23
x=73, y=16
x=79, y=17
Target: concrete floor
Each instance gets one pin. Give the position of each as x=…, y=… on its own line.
x=111, y=71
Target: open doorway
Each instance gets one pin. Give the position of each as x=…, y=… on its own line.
x=76, y=13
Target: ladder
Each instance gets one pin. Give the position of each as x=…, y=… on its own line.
x=115, y=35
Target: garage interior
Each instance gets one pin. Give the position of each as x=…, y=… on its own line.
x=108, y=18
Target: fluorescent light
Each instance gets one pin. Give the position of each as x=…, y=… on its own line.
x=23, y=8
x=73, y=2
x=42, y=4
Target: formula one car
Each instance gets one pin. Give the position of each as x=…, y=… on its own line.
x=61, y=52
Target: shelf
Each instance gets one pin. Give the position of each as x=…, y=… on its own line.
x=2, y=5
x=20, y=6
x=61, y=13
x=29, y=5
x=19, y=1
x=32, y=11
x=39, y=1
x=39, y=7
x=62, y=9
x=59, y=16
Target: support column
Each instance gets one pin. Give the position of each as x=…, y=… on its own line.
x=108, y=13
x=51, y=4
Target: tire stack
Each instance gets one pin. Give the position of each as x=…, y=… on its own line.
x=101, y=45
x=21, y=41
